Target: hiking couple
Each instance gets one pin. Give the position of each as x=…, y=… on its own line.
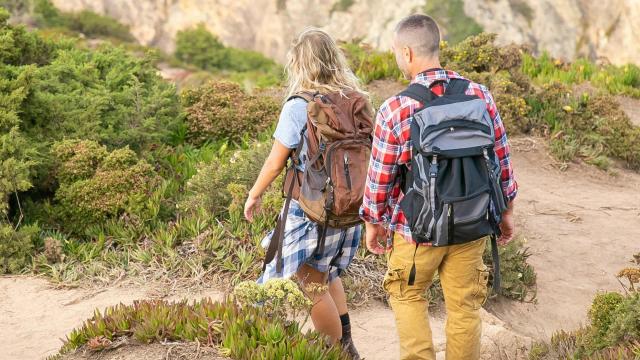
x=431, y=178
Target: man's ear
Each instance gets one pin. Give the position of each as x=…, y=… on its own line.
x=407, y=52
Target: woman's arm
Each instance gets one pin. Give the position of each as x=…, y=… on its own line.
x=272, y=167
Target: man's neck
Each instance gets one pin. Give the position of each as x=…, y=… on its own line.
x=426, y=67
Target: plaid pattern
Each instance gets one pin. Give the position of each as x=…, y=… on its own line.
x=301, y=240
x=392, y=149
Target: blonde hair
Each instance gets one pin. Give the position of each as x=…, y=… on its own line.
x=316, y=63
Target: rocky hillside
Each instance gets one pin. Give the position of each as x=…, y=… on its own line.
x=566, y=28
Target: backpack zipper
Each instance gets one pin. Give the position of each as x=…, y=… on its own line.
x=346, y=170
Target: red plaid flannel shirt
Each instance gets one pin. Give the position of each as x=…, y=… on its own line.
x=392, y=149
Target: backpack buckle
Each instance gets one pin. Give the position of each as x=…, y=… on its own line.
x=433, y=168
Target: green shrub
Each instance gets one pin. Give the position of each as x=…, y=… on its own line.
x=602, y=315
x=222, y=110
x=341, y=5
x=105, y=95
x=77, y=160
x=613, y=331
x=16, y=247
x=455, y=24
x=369, y=64
x=239, y=332
x=21, y=47
x=96, y=185
x=85, y=22
x=17, y=155
x=199, y=47
x=16, y=6
x=95, y=25
x=625, y=322
x=624, y=80
x=47, y=15
x=280, y=298
x=208, y=188
x=590, y=128
x=518, y=277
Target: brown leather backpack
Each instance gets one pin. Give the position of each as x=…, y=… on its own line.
x=330, y=190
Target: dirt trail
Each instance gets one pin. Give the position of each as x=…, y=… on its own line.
x=35, y=316
x=582, y=226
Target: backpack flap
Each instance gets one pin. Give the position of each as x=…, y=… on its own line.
x=453, y=129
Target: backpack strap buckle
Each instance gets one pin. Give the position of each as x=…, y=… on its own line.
x=433, y=168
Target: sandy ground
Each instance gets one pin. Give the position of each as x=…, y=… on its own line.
x=36, y=317
x=581, y=225
x=631, y=107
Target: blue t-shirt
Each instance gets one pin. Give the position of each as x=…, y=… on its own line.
x=293, y=117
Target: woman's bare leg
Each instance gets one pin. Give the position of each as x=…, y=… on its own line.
x=338, y=295
x=324, y=314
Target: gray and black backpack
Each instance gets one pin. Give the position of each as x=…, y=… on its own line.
x=453, y=192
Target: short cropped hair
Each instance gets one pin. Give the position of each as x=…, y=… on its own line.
x=421, y=33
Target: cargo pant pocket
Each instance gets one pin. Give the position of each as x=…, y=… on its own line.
x=394, y=281
x=480, y=292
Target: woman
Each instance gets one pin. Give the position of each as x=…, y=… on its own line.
x=315, y=64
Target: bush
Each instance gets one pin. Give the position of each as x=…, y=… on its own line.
x=518, y=277
x=369, y=64
x=240, y=332
x=625, y=320
x=613, y=331
x=106, y=95
x=95, y=25
x=201, y=48
x=17, y=155
x=624, y=80
x=591, y=128
x=197, y=46
x=602, y=315
x=222, y=110
x=96, y=185
x=280, y=298
x=20, y=47
x=208, y=189
x=16, y=247
x=455, y=24
x=85, y=22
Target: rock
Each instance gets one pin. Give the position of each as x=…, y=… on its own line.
x=566, y=28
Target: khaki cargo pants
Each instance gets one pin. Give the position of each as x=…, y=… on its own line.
x=463, y=276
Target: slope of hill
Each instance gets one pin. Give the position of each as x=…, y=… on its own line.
x=566, y=28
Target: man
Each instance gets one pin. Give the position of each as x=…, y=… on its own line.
x=462, y=273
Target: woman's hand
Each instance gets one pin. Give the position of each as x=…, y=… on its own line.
x=251, y=206
x=272, y=167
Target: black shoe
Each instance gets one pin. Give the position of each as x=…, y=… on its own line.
x=350, y=348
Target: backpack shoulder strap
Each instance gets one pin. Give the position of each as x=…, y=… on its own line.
x=306, y=96
x=457, y=87
x=419, y=93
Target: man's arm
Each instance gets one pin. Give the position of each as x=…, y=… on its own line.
x=509, y=184
x=381, y=176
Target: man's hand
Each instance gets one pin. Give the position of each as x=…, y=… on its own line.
x=375, y=234
x=507, y=226
x=251, y=206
